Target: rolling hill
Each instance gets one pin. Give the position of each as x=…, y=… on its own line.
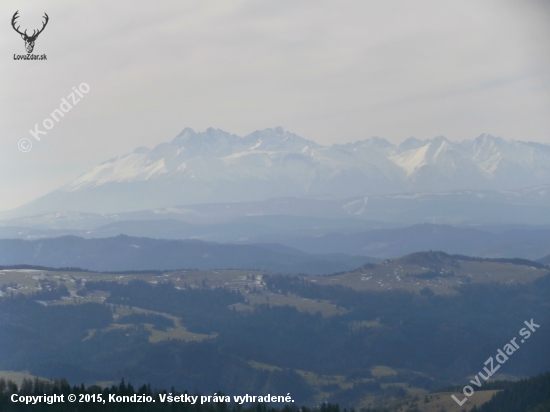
x=124, y=253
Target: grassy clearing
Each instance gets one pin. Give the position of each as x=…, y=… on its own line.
x=382, y=371
x=302, y=304
x=263, y=366
x=179, y=332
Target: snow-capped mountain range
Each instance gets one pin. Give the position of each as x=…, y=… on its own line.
x=216, y=166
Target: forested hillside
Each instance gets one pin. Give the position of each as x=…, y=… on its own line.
x=266, y=333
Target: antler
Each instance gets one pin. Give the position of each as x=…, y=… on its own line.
x=15, y=16
x=34, y=33
x=43, y=26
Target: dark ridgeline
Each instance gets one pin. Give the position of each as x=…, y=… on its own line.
x=125, y=253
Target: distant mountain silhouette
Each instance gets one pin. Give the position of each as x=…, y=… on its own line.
x=124, y=253
x=383, y=243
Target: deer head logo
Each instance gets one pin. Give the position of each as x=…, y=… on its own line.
x=29, y=40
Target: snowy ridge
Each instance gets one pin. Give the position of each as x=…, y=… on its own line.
x=216, y=166
x=272, y=151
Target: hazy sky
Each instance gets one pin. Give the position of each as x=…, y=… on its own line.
x=330, y=71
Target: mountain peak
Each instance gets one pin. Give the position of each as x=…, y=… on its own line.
x=439, y=140
x=217, y=166
x=188, y=137
x=183, y=135
x=410, y=143
x=485, y=138
x=379, y=142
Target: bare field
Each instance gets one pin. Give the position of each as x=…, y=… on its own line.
x=380, y=370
